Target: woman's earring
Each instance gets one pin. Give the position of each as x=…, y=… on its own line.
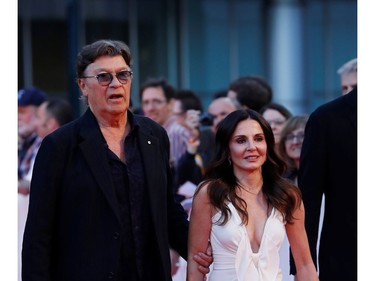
x=230, y=161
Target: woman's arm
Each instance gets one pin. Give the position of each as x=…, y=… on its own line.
x=199, y=232
x=297, y=237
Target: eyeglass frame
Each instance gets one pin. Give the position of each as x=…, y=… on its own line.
x=289, y=138
x=154, y=102
x=129, y=76
x=277, y=122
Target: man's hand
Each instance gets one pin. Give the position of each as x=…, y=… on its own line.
x=192, y=122
x=192, y=118
x=204, y=260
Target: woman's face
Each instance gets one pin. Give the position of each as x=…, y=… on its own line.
x=247, y=147
x=106, y=101
x=277, y=122
x=293, y=143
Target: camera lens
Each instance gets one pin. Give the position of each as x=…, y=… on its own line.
x=206, y=119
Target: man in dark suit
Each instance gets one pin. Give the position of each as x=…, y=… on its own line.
x=329, y=167
x=101, y=199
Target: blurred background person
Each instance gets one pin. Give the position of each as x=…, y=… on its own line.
x=50, y=115
x=157, y=99
x=29, y=100
x=219, y=108
x=276, y=115
x=291, y=140
x=348, y=76
x=252, y=92
x=187, y=109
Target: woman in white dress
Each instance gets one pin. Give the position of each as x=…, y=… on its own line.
x=245, y=206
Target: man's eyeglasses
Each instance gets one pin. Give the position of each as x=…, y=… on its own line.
x=105, y=78
x=290, y=138
x=179, y=113
x=153, y=102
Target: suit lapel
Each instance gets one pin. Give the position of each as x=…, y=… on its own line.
x=94, y=151
x=149, y=151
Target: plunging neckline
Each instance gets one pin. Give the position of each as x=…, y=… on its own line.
x=263, y=233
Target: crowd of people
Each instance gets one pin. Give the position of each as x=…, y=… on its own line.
x=176, y=191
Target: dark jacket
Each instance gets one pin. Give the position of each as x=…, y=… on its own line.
x=187, y=169
x=329, y=167
x=73, y=225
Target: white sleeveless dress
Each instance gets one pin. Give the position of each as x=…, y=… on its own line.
x=234, y=259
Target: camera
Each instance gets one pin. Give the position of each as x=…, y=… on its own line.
x=206, y=119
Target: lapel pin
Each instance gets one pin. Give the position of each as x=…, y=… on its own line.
x=149, y=142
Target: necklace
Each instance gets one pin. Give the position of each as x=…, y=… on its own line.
x=252, y=190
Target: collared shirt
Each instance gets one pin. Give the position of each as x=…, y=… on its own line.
x=27, y=155
x=178, y=138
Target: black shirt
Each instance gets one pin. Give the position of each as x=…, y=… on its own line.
x=132, y=196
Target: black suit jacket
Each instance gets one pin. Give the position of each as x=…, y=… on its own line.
x=329, y=167
x=73, y=225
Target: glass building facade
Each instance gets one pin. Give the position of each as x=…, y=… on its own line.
x=296, y=45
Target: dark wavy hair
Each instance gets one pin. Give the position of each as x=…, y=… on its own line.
x=222, y=183
x=252, y=91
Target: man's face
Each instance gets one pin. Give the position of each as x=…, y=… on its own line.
x=155, y=105
x=109, y=100
x=26, y=120
x=348, y=82
x=219, y=109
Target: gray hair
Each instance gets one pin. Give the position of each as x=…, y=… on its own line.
x=348, y=67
